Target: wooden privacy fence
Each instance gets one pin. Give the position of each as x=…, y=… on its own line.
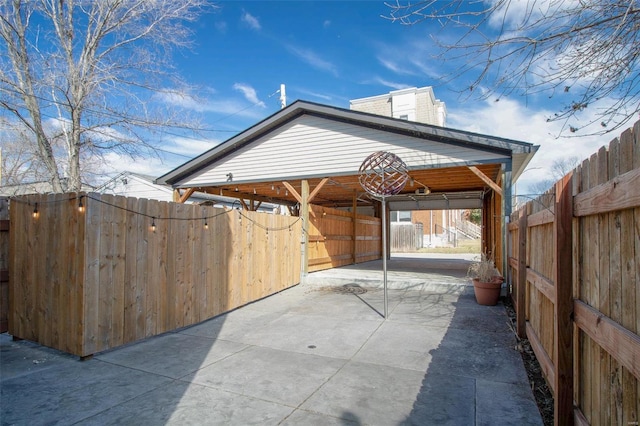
x=338, y=238
x=405, y=237
x=123, y=269
x=574, y=258
x=4, y=265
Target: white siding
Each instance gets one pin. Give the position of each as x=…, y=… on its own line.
x=138, y=188
x=313, y=146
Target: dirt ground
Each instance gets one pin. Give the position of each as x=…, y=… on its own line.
x=541, y=391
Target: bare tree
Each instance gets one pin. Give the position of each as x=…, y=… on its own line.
x=559, y=168
x=78, y=76
x=583, y=53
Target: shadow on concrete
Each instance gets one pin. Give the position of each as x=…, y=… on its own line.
x=475, y=371
x=314, y=354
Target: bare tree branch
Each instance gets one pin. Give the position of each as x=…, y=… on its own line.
x=583, y=54
x=90, y=67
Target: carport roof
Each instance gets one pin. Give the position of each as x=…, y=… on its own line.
x=445, y=175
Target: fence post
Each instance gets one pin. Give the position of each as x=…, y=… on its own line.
x=4, y=264
x=521, y=288
x=563, y=279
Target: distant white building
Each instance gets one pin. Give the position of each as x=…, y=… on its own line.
x=130, y=184
x=413, y=104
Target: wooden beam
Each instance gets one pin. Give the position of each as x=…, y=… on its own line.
x=542, y=217
x=521, y=281
x=293, y=191
x=617, y=194
x=354, y=216
x=304, y=214
x=244, y=195
x=244, y=205
x=297, y=196
x=185, y=196
x=546, y=364
x=544, y=285
x=317, y=189
x=563, y=307
x=618, y=341
x=486, y=179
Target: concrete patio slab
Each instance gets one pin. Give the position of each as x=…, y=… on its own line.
x=184, y=403
x=318, y=353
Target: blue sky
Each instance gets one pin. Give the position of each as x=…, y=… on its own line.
x=330, y=52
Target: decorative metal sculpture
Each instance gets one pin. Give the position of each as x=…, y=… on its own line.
x=382, y=174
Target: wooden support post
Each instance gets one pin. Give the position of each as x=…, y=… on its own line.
x=354, y=218
x=304, y=214
x=521, y=280
x=563, y=279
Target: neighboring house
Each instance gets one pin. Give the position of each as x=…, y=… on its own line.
x=440, y=227
x=413, y=104
x=130, y=184
x=43, y=187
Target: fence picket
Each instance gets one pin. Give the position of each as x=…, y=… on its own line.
x=605, y=260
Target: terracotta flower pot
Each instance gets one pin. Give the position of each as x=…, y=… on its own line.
x=487, y=293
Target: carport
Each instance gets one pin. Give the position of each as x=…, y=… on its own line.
x=306, y=157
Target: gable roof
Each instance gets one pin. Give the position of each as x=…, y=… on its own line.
x=315, y=142
x=521, y=152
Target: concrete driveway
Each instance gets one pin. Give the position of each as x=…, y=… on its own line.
x=316, y=354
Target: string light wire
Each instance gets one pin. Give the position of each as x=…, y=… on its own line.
x=155, y=218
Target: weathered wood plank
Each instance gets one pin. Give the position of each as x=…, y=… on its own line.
x=622, y=192
x=118, y=265
x=521, y=279
x=130, y=273
x=546, y=364
x=621, y=343
x=563, y=281
x=143, y=232
x=627, y=274
x=542, y=217
x=610, y=292
x=543, y=284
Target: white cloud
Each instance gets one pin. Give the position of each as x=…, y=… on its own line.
x=392, y=84
x=221, y=26
x=413, y=59
x=190, y=146
x=313, y=59
x=174, y=152
x=249, y=93
x=153, y=166
x=251, y=21
x=322, y=96
x=219, y=105
x=511, y=119
x=393, y=66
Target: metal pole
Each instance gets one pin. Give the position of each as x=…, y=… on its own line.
x=384, y=255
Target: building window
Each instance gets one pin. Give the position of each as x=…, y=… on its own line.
x=397, y=216
x=404, y=117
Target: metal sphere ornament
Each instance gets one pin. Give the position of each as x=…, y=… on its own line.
x=383, y=174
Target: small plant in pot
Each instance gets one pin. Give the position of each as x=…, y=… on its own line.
x=487, y=281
